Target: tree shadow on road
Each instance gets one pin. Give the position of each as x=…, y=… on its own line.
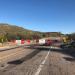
x=29, y=56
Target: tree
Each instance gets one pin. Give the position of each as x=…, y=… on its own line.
x=11, y=36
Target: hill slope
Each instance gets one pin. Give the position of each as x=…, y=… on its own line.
x=13, y=31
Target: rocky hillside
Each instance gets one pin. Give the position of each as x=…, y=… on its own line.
x=13, y=32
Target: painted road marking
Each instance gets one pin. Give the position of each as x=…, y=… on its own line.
x=42, y=64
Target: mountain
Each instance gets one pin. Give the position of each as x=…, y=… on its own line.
x=13, y=32
x=12, y=29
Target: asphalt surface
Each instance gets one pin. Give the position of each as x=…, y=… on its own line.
x=37, y=61
x=29, y=64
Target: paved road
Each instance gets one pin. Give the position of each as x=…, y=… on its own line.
x=40, y=61
x=30, y=64
x=13, y=54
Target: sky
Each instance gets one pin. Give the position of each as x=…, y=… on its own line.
x=39, y=15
